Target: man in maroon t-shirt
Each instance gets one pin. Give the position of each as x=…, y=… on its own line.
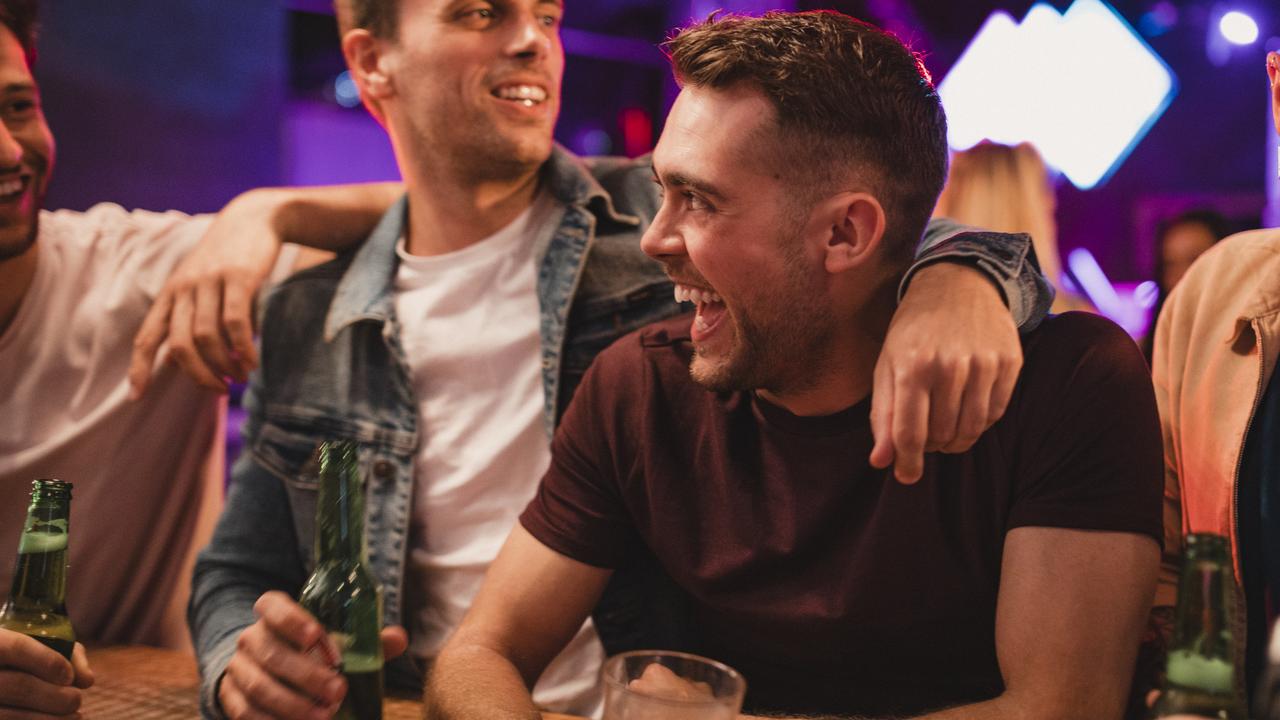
x=798, y=165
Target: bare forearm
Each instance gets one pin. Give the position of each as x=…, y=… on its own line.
x=470, y=682
x=332, y=217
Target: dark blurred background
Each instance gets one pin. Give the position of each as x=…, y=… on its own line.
x=184, y=103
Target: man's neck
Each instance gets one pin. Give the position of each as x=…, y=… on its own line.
x=446, y=215
x=16, y=275
x=843, y=374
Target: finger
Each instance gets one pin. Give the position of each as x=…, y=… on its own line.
x=28, y=692
x=1002, y=389
x=271, y=694
x=394, y=641
x=80, y=663
x=910, y=426
x=237, y=323
x=27, y=655
x=882, y=416
x=310, y=674
x=206, y=330
x=977, y=400
x=154, y=329
x=288, y=621
x=182, y=349
x=945, y=403
x=235, y=705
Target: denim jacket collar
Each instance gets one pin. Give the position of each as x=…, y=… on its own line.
x=366, y=290
x=570, y=182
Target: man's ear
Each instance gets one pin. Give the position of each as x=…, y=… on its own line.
x=856, y=224
x=370, y=67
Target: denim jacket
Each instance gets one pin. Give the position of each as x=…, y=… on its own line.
x=333, y=368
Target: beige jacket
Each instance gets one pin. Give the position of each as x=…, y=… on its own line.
x=1216, y=346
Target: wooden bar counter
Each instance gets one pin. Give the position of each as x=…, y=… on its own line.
x=144, y=683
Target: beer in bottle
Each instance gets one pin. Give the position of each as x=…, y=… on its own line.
x=1201, y=673
x=341, y=593
x=37, y=599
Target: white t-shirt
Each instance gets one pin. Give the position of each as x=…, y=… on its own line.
x=469, y=328
x=147, y=474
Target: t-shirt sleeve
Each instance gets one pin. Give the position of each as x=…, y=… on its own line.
x=140, y=246
x=1089, y=455
x=579, y=510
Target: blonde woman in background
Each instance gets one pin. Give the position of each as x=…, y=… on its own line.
x=1006, y=188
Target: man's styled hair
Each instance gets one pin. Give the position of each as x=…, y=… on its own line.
x=379, y=17
x=852, y=102
x=21, y=16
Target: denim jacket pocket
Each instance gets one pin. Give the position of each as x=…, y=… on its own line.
x=287, y=452
x=596, y=323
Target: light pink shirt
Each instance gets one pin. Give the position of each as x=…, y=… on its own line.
x=147, y=474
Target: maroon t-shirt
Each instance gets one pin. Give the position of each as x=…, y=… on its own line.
x=830, y=586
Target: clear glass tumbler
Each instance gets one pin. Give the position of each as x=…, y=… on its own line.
x=664, y=685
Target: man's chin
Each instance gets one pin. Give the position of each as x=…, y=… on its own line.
x=16, y=241
x=716, y=375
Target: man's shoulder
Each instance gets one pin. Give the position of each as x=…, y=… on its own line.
x=1079, y=351
x=1077, y=332
x=108, y=226
x=1234, y=275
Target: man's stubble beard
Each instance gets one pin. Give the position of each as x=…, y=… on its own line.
x=9, y=252
x=487, y=155
x=779, y=352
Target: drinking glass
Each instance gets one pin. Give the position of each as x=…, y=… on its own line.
x=666, y=685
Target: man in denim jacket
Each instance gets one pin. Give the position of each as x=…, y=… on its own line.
x=449, y=342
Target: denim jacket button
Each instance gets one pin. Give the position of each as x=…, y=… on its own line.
x=383, y=469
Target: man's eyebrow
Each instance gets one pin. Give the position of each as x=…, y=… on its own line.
x=18, y=87
x=557, y=3
x=679, y=179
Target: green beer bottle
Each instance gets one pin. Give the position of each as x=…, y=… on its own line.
x=38, y=597
x=1201, y=674
x=341, y=593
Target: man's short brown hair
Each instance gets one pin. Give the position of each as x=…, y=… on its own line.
x=852, y=103
x=379, y=17
x=21, y=16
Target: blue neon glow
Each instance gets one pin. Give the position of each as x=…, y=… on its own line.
x=1081, y=86
x=345, y=91
x=1238, y=28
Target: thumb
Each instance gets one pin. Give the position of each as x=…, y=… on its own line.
x=394, y=641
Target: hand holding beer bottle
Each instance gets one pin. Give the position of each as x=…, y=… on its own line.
x=42, y=667
x=288, y=664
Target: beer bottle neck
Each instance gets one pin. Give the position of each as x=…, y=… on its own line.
x=340, y=535
x=1203, y=651
x=40, y=577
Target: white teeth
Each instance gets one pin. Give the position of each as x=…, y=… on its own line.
x=697, y=296
x=10, y=187
x=527, y=95
x=702, y=324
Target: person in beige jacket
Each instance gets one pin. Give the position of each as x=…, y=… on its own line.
x=1216, y=345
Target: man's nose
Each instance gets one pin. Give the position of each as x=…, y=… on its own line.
x=529, y=37
x=661, y=240
x=10, y=148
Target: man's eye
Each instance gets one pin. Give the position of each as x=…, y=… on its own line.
x=695, y=202
x=20, y=107
x=479, y=17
